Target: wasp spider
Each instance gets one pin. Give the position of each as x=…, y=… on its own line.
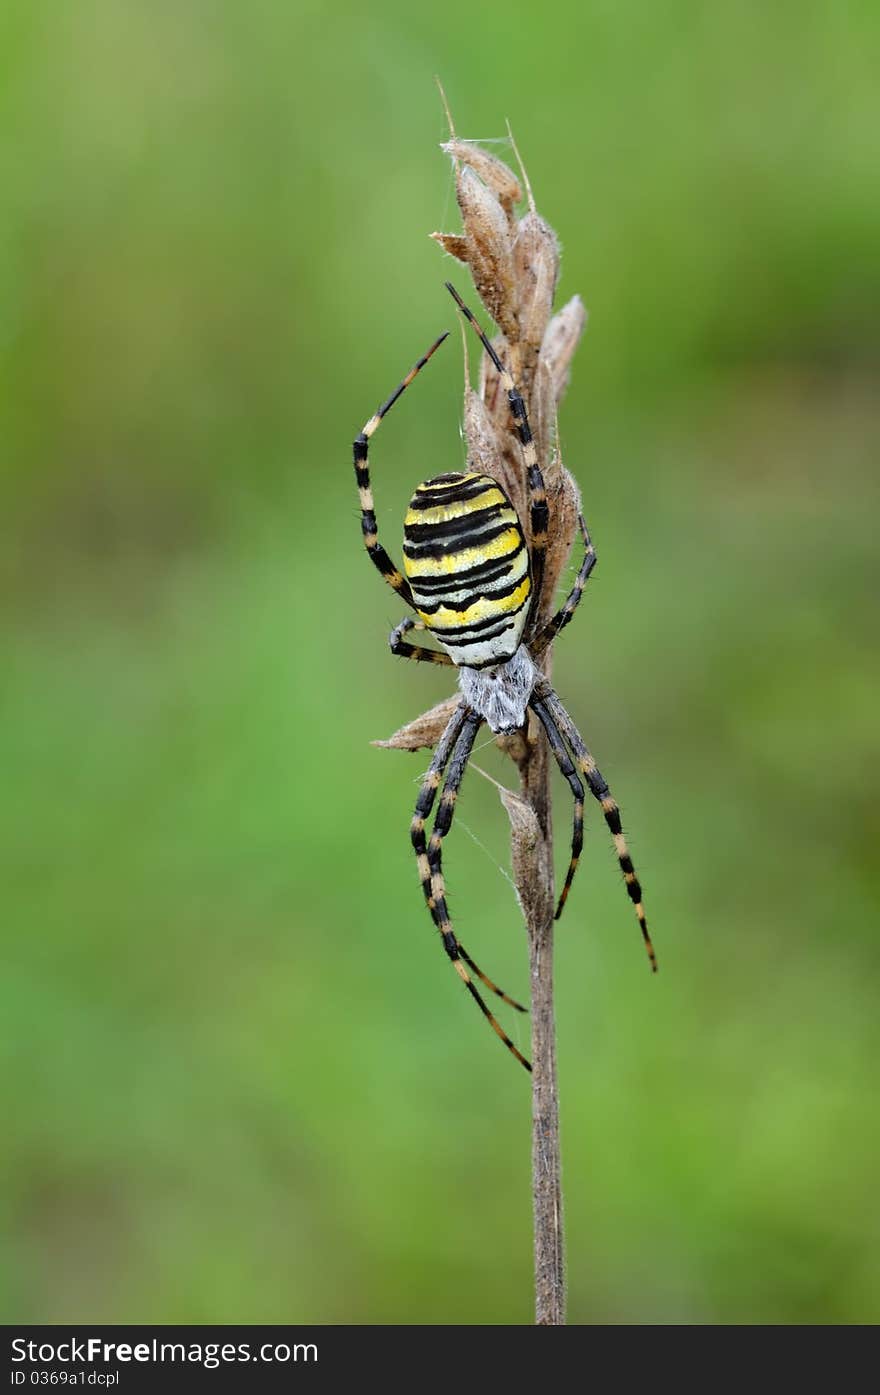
x=474, y=583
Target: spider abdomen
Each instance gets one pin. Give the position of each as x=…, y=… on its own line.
x=467, y=563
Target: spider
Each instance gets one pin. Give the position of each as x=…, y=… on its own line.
x=475, y=584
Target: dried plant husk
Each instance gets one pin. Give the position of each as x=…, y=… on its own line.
x=561, y=338
x=536, y=268
x=456, y=244
x=424, y=730
x=489, y=247
x=490, y=453
x=525, y=835
x=493, y=172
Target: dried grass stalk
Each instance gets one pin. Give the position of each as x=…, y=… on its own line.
x=514, y=263
x=515, y=266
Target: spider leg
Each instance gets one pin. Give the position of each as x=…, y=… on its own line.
x=505, y=998
x=539, y=513
x=563, y=760
x=377, y=553
x=424, y=805
x=601, y=792
x=549, y=632
x=403, y=650
x=454, y=747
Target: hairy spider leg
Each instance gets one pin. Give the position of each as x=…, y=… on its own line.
x=564, y=614
x=600, y=791
x=563, y=760
x=458, y=738
x=424, y=805
x=442, y=824
x=420, y=652
x=390, y=571
x=539, y=513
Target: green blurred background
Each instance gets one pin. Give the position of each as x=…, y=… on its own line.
x=241, y=1082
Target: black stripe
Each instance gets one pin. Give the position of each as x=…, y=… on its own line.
x=481, y=572
x=462, y=523
x=382, y=560
x=518, y=408
x=472, y=598
x=449, y=944
x=491, y=662
x=475, y=634
x=435, y=498
x=459, y=642
x=480, y=628
x=612, y=816
x=447, y=549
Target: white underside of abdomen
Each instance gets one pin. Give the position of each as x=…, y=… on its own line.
x=500, y=694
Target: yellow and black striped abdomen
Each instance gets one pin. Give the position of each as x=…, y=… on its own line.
x=467, y=563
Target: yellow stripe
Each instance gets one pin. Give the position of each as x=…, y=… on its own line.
x=443, y=513
x=505, y=545
x=516, y=570
x=483, y=609
x=430, y=485
x=470, y=477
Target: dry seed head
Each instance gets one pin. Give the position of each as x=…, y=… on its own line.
x=542, y=416
x=536, y=267
x=486, y=451
x=564, y=499
x=515, y=268
x=490, y=388
x=493, y=172
x=490, y=248
x=516, y=280
x=560, y=341
x=525, y=835
x=453, y=243
x=425, y=730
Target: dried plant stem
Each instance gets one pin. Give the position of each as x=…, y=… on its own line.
x=514, y=263
x=546, y=1156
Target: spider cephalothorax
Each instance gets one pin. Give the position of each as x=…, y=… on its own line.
x=475, y=583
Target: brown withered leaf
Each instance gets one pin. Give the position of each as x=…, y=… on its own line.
x=425, y=730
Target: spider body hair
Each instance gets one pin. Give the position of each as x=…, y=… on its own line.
x=501, y=695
